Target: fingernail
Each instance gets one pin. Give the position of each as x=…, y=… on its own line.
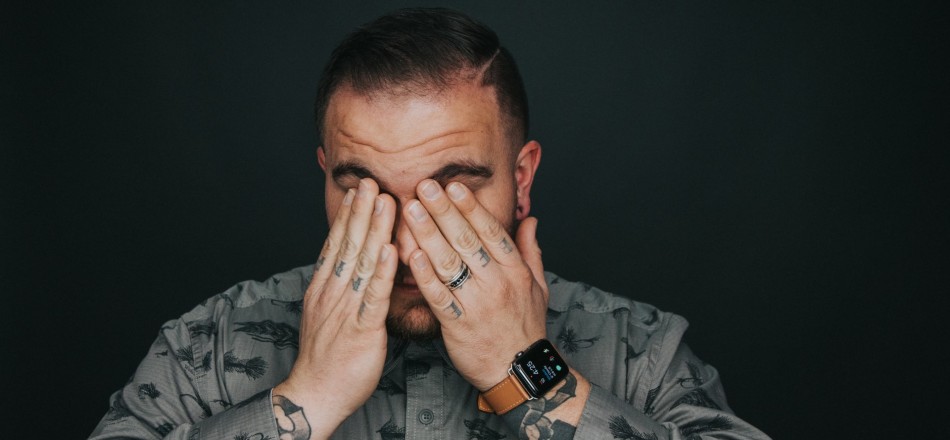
x=384, y=254
x=349, y=196
x=416, y=210
x=363, y=187
x=378, y=207
x=455, y=191
x=419, y=260
x=430, y=190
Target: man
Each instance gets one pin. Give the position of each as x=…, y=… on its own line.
x=428, y=313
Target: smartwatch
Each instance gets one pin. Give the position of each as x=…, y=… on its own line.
x=534, y=372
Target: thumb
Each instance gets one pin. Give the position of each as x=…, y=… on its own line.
x=527, y=241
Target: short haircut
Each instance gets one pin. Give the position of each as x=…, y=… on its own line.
x=421, y=50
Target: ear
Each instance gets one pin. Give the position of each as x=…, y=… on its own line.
x=322, y=159
x=526, y=165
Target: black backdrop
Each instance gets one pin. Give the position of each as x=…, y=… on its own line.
x=770, y=171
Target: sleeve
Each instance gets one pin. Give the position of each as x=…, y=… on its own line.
x=688, y=403
x=164, y=400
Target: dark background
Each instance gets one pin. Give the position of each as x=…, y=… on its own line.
x=770, y=171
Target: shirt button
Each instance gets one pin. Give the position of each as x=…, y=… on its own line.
x=426, y=416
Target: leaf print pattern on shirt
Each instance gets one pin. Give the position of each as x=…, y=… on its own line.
x=198, y=328
x=572, y=343
x=254, y=368
x=693, y=429
x=118, y=410
x=148, y=390
x=697, y=397
x=295, y=307
x=648, y=407
x=278, y=333
x=631, y=353
x=389, y=431
x=695, y=378
x=416, y=370
x=620, y=428
x=388, y=387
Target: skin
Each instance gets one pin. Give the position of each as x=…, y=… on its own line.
x=437, y=183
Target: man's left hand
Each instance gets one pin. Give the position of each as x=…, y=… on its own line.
x=500, y=310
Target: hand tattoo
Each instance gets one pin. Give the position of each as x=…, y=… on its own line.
x=339, y=269
x=532, y=415
x=356, y=283
x=292, y=424
x=506, y=246
x=320, y=262
x=483, y=255
x=455, y=309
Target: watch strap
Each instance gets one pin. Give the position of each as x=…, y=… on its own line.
x=503, y=397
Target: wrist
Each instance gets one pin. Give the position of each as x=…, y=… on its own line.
x=304, y=414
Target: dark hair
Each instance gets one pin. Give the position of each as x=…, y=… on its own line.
x=420, y=50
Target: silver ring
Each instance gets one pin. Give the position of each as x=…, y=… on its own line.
x=460, y=278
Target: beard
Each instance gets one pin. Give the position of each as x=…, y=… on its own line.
x=409, y=314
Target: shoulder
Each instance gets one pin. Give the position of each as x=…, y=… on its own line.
x=272, y=305
x=614, y=341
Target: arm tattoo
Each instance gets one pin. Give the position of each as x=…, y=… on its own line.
x=506, y=246
x=356, y=284
x=292, y=424
x=455, y=309
x=532, y=419
x=483, y=255
x=339, y=269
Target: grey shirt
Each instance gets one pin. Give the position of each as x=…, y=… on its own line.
x=209, y=373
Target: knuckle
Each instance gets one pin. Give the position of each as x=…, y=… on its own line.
x=450, y=261
x=492, y=227
x=365, y=263
x=467, y=239
x=348, y=247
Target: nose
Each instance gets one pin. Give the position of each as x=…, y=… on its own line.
x=403, y=240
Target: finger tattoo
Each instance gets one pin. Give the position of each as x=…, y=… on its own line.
x=483, y=255
x=320, y=262
x=339, y=268
x=455, y=309
x=356, y=283
x=506, y=246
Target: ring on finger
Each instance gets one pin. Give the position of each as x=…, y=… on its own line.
x=460, y=278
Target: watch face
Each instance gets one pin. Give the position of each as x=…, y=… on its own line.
x=540, y=368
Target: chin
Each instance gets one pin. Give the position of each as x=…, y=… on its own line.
x=412, y=319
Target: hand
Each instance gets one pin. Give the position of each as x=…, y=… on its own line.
x=501, y=309
x=342, y=329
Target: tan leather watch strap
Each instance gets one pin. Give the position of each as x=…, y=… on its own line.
x=503, y=397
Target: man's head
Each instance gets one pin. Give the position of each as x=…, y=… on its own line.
x=419, y=94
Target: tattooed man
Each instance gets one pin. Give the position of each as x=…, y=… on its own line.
x=428, y=313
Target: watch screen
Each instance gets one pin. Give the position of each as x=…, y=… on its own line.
x=541, y=368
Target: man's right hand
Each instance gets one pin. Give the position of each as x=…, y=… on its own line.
x=342, y=328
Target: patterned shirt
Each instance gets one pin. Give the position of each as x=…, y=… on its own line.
x=208, y=375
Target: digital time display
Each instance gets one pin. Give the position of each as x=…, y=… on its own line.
x=540, y=368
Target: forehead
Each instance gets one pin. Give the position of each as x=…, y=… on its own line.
x=409, y=134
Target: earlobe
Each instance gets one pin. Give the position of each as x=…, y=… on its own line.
x=526, y=165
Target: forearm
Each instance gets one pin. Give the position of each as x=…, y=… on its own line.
x=555, y=415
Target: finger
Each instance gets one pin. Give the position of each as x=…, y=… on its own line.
x=446, y=262
x=527, y=240
x=375, y=302
x=331, y=246
x=445, y=306
x=380, y=233
x=454, y=228
x=356, y=229
x=490, y=230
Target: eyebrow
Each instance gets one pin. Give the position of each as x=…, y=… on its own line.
x=443, y=175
